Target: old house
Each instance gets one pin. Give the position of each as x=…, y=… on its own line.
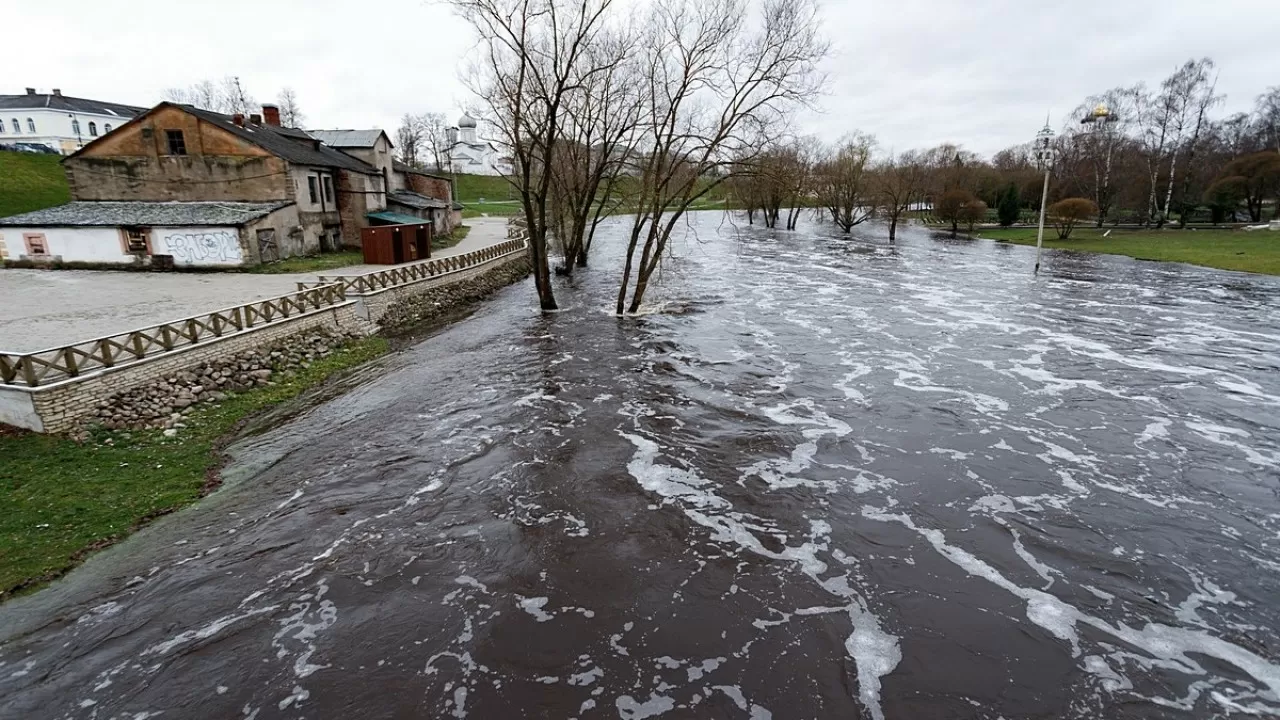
x=174, y=155
x=413, y=194
x=424, y=195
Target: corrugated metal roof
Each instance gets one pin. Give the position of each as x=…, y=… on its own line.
x=114, y=214
x=402, y=167
x=414, y=200
x=68, y=104
x=348, y=138
x=395, y=218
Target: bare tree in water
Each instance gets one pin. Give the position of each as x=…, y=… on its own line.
x=843, y=182
x=599, y=127
x=534, y=53
x=897, y=183
x=716, y=76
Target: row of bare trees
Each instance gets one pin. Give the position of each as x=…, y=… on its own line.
x=1154, y=155
x=652, y=105
x=229, y=96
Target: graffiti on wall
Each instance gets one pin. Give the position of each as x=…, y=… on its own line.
x=219, y=246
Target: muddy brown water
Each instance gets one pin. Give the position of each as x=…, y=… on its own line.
x=823, y=478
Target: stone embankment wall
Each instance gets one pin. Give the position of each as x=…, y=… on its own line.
x=154, y=392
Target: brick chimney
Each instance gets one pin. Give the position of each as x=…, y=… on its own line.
x=255, y=119
x=271, y=114
x=31, y=91
x=238, y=119
x=57, y=92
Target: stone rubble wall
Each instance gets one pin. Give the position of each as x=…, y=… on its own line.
x=158, y=392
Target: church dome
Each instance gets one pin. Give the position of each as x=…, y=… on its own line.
x=466, y=121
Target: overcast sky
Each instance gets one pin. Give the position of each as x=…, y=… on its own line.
x=916, y=73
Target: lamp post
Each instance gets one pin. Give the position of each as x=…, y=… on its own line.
x=1042, y=149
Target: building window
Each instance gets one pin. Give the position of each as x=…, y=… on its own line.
x=177, y=143
x=75, y=127
x=93, y=129
x=311, y=188
x=31, y=126
x=328, y=188
x=1, y=127
x=16, y=127
x=106, y=128
x=37, y=246
x=136, y=241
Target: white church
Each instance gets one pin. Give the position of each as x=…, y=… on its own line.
x=472, y=155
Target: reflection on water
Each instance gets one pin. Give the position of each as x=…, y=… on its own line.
x=822, y=477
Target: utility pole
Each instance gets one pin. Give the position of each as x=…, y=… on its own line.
x=1043, y=150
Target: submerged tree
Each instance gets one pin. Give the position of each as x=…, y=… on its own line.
x=843, y=184
x=899, y=182
x=715, y=82
x=535, y=53
x=950, y=207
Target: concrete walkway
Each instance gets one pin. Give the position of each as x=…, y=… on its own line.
x=40, y=309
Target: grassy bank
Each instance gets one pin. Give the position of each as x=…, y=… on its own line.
x=310, y=263
x=1257, y=251
x=64, y=499
x=31, y=182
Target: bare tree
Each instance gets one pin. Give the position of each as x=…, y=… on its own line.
x=533, y=52
x=204, y=94
x=433, y=136
x=897, y=183
x=291, y=114
x=714, y=86
x=599, y=128
x=1267, y=110
x=409, y=140
x=1100, y=142
x=843, y=184
x=234, y=97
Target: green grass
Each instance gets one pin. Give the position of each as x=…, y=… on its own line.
x=443, y=242
x=63, y=499
x=1257, y=251
x=31, y=182
x=470, y=189
x=310, y=263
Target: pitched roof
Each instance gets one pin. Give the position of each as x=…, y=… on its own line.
x=64, y=103
x=415, y=200
x=112, y=214
x=348, y=138
x=289, y=143
x=402, y=167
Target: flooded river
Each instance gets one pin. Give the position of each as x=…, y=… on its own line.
x=825, y=478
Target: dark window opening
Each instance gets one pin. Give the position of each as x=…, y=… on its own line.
x=106, y=128
x=311, y=188
x=16, y=127
x=328, y=188
x=31, y=125
x=36, y=244
x=136, y=240
x=93, y=129
x=177, y=143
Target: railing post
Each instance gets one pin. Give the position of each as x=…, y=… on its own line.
x=28, y=371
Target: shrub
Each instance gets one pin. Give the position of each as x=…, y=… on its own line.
x=1068, y=213
x=1010, y=206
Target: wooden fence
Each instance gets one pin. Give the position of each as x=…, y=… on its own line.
x=48, y=366
x=413, y=272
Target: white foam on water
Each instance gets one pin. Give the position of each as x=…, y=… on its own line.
x=630, y=709
x=1221, y=435
x=875, y=653
x=534, y=606
x=1166, y=647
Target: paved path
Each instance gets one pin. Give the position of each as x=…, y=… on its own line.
x=43, y=308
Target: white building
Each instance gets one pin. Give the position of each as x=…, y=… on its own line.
x=60, y=123
x=470, y=155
